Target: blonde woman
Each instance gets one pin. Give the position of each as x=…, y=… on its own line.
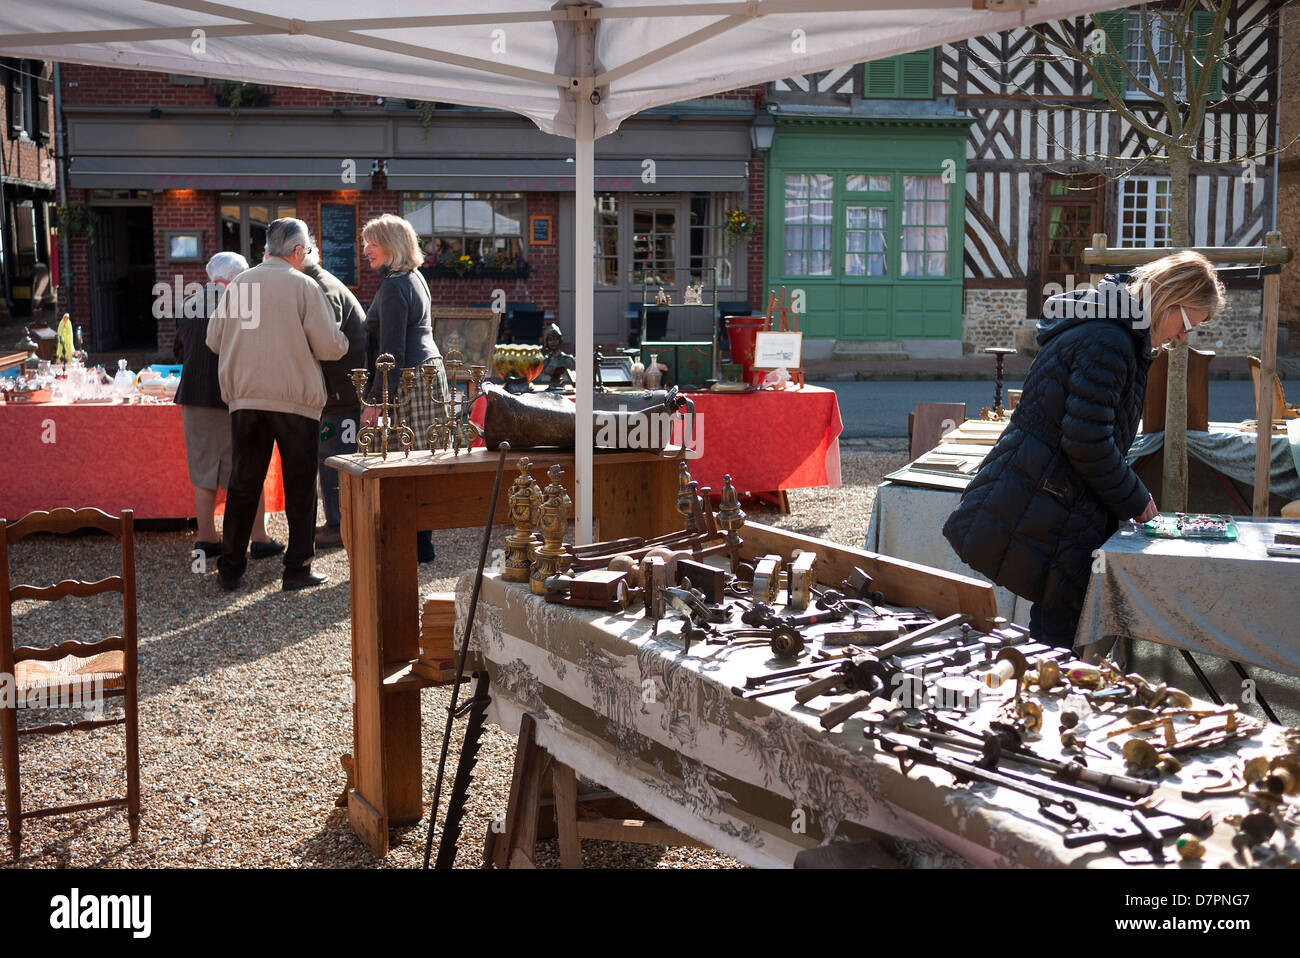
x=399, y=322
x=1056, y=485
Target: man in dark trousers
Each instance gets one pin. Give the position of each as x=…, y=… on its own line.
x=342, y=416
x=271, y=331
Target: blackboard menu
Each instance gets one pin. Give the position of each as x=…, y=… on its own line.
x=338, y=241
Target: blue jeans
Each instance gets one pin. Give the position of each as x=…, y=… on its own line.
x=1053, y=626
x=332, y=427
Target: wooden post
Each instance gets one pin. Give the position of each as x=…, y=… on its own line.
x=1173, y=488
x=1264, y=398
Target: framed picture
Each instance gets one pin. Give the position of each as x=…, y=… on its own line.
x=615, y=370
x=778, y=350
x=470, y=332
x=539, y=231
x=183, y=246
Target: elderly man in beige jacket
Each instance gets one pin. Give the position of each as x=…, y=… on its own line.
x=270, y=331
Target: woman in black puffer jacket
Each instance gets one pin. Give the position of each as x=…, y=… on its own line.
x=1056, y=485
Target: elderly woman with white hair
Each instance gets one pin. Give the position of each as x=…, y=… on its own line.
x=205, y=417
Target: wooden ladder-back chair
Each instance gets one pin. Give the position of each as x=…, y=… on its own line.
x=107, y=665
x=1281, y=408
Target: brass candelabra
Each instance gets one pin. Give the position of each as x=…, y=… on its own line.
x=452, y=428
x=374, y=438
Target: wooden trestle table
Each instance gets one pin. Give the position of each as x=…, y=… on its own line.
x=384, y=502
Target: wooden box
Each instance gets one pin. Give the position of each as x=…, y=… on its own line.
x=1198, y=391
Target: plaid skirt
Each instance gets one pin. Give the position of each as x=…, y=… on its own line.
x=421, y=410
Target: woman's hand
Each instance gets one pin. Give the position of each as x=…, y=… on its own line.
x=369, y=416
x=1149, y=513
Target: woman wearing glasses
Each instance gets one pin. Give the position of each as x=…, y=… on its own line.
x=1056, y=485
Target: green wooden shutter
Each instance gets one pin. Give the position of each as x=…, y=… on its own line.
x=880, y=79
x=1202, y=27
x=909, y=76
x=1114, y=24
x=918, y=75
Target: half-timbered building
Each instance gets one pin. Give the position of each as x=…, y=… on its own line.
x=927, y=203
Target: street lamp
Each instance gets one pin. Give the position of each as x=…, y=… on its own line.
x=762, y=132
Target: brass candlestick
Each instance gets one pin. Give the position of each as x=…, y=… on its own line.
x=686, y=498
x=374, y=438
x=553, y=518
x=525, y=503
x=731, y=519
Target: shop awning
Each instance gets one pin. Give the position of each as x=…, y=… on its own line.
x=218, y=173
x=557, y=175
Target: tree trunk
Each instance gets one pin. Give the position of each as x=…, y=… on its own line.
x=1173, y=496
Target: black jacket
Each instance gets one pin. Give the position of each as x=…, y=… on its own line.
x=1056, y=485
x=399, y=323
x=199, y=385
x=340, y=394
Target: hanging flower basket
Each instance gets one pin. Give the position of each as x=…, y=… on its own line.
x=739, y=225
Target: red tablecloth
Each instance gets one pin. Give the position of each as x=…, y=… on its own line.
x=112, y=457
x=767, y=441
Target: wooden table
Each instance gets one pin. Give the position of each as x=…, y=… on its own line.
x=383, y=503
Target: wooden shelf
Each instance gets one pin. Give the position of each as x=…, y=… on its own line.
x=401, y=677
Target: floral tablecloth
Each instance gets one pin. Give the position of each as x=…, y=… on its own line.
x=111, y=456
x=757, y=779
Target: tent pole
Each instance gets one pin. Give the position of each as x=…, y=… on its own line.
x=583, y=278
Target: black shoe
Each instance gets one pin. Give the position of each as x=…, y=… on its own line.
x=329, y=537
x=264, y=550
x=303, y=580
x=230, y=585
x=210, y=550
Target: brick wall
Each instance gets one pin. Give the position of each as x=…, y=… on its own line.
x=100, y=86
x=755, y=203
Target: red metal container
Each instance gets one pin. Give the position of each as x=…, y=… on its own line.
x=741, y=331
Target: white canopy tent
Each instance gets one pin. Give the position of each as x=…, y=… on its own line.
x=574, y=67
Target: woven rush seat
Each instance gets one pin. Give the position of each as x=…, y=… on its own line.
x=108, y=668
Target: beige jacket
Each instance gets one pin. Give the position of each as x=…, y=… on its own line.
x=271, y=330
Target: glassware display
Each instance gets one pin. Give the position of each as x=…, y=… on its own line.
x=124, y=381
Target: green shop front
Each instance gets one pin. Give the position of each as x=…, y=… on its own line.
x=864, y=225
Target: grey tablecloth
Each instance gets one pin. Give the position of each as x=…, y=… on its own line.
x=1232, y=452
x=1224, y=598
x=907, y=523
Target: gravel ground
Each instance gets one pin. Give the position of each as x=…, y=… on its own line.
x=244, y=708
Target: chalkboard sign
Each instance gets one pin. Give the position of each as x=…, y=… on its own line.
x=539, y=228
x=338, y=242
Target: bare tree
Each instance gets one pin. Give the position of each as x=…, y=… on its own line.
x=1181, y=84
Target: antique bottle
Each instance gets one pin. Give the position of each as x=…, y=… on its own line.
x=654, y=376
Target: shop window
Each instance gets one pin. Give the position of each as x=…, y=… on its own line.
x=808, y=218
x=925, y=227
x=605, y=207
x=654, y=246
x=710, y=248
x=482, y=225
x=1144, y=211
x=244, y=223
x=866, y=240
